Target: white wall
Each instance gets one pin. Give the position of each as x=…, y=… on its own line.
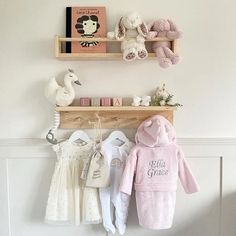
x=204, y=82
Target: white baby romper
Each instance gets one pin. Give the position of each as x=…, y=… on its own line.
x=116, y=157
x=69, y=202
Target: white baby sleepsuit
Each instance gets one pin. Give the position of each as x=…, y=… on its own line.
x=116, y=158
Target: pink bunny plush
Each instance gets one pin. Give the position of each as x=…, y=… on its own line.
x=164, y=28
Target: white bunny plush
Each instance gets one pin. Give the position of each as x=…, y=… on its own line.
x=133, y=32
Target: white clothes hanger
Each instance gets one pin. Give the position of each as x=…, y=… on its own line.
x=117, y=135
x=79, y=135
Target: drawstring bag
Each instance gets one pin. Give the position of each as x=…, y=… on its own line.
x=98, y=175
x=96, y=171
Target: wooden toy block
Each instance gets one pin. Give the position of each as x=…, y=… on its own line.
x=117, y=101
x=84, y=102
x=95, y=102
x=105, y=101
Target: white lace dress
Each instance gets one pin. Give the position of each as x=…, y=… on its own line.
x=69, y=201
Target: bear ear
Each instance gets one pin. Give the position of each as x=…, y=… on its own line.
x=143, y=29
x=120, y=29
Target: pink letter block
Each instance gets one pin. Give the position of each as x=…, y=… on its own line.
x=117, y=101
x=84, y=102
x=106, y=101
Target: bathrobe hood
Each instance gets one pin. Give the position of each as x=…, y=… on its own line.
x=155, y=131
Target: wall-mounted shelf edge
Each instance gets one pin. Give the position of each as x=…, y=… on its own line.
x=111, y=117
x=60, y=54
x=60, y=39
x=116, y=108
x=96, y=56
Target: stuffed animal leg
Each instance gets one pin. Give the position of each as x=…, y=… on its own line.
x=132, y=49
x=165, y=56
x=174, y=57
x=164, y=28
x=163, y=60
x=141, y=49
x=128, y=48
x=132, y=30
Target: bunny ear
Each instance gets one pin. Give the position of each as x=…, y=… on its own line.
x=143, y=29
x=120, y=30
x=173, y=26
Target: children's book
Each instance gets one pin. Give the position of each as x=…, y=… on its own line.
x=85, y=22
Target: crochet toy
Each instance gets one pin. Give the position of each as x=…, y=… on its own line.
x=163, y=98
x=164, y=28
x=133, y=32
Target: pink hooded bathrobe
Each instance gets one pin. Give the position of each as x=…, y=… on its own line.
x=157, y=162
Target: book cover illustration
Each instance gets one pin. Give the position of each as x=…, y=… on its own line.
x=86, y=22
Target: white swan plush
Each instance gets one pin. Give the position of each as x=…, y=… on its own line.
x=62, y=96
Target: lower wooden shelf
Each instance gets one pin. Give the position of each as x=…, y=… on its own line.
x=111, y=117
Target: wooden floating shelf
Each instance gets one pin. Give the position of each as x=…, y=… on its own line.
x=96, y=56
x=60, y=54
x=72, y=117
x=60, y=39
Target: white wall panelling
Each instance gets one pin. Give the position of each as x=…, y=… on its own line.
x=26, y=166
x=4, y=199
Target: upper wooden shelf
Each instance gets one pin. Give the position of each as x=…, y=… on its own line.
x=60, y=54
x=111, y=117
x=60, y=39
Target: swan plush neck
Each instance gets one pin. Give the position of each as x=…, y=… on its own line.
x=68, y=85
